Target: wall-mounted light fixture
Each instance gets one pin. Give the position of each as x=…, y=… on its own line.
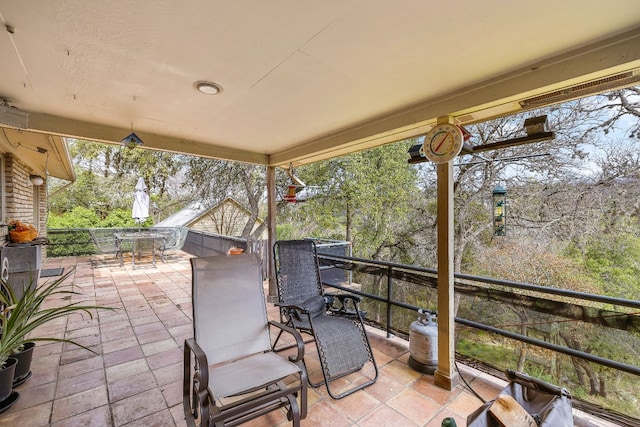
x=36, y=180
x=499, y=211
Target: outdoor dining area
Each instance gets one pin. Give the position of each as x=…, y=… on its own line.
x=138, y=244
x=138, y=241
x=131, y=373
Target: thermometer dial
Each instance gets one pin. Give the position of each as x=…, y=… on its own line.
x=442, y=143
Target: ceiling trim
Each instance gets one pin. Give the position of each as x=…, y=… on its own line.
x=63, y=127
x=497, y=96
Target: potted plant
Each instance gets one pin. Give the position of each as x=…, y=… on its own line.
x=20, y=316
x=7, y=396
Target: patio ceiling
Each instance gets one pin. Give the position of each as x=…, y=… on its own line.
x=301, y=80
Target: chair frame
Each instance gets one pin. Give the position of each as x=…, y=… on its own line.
x=199, y=402
x=347, y=309
x=175, y=238
x=105, y=241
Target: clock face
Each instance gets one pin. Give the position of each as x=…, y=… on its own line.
x=442, y=143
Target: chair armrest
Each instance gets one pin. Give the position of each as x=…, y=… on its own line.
x=200, y=382
x=296, y=335
x=342, y=309
x=291, y=307
x=344, y=297
x=202, y=370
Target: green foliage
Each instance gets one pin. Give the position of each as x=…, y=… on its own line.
x=365, y=198
x=285, y=232
x=498, y=356
x=528, y=261
x=611, y=260
x=79, y=242
x=107, y=175
x=67, y=242
x=78, y=217
x=119, y=218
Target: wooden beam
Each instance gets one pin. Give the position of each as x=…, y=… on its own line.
x=446, y=375
x=271, y=231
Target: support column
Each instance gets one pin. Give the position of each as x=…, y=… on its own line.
x=271, y=232
x=446, y=375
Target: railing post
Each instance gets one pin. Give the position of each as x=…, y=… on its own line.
x=389, y=294
x=271, y=231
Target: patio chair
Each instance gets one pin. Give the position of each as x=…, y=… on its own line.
x=231, y=374
x=334, y=321
x=173, y=241
x=105, y=241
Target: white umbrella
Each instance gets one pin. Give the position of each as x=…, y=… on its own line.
x=140, y=202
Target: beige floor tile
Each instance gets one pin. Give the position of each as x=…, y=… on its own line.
x=83, y=382
x=98, y=417
x=414, y=406
x=75, y=404
x=385, y=416
x=130, y=386
x=137, y=407
x=123, y=356
x=124, y=370
x=33, y=416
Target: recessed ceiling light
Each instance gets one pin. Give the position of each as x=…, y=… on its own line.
x=208, y=88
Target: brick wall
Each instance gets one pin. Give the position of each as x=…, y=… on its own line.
x=19, y=194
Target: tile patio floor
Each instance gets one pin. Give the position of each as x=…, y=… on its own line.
x=135, y=377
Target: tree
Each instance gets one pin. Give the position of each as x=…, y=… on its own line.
x=214, y=180
x=365, y=198
x=107, y=174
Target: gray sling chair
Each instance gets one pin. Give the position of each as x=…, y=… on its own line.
x=235, y=375
x=334, y=321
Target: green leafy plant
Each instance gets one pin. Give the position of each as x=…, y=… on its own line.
x=20, y=316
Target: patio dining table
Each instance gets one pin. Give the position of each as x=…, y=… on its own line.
x=139, y=240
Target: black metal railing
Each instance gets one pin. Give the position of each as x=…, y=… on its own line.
x=544, y=318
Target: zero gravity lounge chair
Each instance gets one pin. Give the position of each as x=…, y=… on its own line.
x=341, y=341
x=231, y=374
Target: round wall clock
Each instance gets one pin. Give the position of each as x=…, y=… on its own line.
x=442, y=143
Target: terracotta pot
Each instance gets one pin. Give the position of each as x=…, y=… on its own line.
x=23, y=368
x=7, y=396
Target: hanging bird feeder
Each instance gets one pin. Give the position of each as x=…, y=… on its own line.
x=499, y=211
x=292, y=191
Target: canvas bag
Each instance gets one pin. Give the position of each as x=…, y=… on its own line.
x=548, y=404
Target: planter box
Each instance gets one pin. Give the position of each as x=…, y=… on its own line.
x=24, y=265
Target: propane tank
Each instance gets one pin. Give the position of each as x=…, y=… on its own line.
x=423, y=342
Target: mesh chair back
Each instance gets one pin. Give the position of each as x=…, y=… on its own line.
x=229, y=310
x=297, y=270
